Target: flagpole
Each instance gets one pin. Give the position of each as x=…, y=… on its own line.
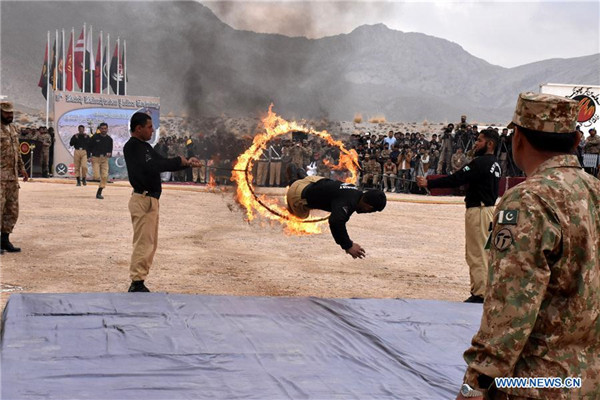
x=73, y=59
x=118, y=64
x=83, y=67
x=54, y=85
x=63, y=81
x=101, y=55
x=108, y=47
x=47, y=85
x=125, y=65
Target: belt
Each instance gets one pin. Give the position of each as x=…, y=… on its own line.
x=146, y=193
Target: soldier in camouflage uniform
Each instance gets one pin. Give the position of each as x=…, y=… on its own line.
x=10, y=166
x=372, y=170
x=46, y=140
x=541, y=315
x=592, y=144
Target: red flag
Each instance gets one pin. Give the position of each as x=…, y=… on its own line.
x=44, y=77
x=69, y=66
x=78, y=60
x=98, y=69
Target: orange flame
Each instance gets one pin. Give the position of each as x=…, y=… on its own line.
x=276, y=126
x=586, y=110
x=211, y=180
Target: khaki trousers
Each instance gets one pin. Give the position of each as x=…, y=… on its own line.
x=45, y=159
x=275, y=173
x=261, y=173
x=296, y=204
x=477, y=224
x=144, y=217
x=100, y=169
x=80, y=161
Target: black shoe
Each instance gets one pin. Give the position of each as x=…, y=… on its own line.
x=99, y=194
x=138, y=286
x=78, y=182
x=7, y=246
x=84, y=182
x=474, y=299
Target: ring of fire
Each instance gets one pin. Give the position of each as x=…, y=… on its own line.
x=269, y=207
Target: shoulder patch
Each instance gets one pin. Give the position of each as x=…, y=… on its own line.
x=503, y=239
x=467, y=168
x=508, y=217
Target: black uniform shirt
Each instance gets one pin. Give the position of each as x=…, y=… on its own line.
x=80, y=142
x=340, y=199
x=144, y=165
x=100, y=145
x=483, y=176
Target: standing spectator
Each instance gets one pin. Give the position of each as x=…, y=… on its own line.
x=275, y=151
x=144, y=166
x=10, y=166
x=592, y=144
x=297, y=153
x=425, y=160
x=541, y=310
x=446, y=152
x=46, y=140
x=262, y=168
x=458, y=160
x=483, y=175
x=503, y=151
x=404, y=170
x=80, y=141
x=390, y=171
x=101, y=147
x=433, y=163
x=395, y=153
x=390, y=140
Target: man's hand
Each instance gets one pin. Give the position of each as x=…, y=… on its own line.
x=356, y=251
x=184, y=161
x=25, y=176
x=194, y=162
x=421, y=181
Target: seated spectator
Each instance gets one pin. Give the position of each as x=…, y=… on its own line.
x=458, y=160
x=372, y=171
x=390, y=171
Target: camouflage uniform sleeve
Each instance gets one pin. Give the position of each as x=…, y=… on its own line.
x=517, y=281
x=17, y=144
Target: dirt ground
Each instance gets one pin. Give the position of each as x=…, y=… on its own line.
x=73, y=242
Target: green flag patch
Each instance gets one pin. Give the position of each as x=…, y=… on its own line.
x=508, y=217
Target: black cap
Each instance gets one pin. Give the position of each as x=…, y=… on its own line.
x=375, y=198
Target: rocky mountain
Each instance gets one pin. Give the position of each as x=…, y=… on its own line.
x=182, y=53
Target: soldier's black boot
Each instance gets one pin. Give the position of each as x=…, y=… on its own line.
x=138, y=286
x=83, y=181
x=6, y=245
x=99, y=194
x=78, y=181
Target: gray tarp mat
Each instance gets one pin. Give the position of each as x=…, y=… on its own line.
x=169, y=346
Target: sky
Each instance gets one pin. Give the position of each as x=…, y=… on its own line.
x=503, y=33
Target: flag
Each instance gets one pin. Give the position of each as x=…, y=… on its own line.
x=58, y=75
x=124, y=69
x=44, y=77
x=69, y=66
x=78, y=60
x=53, y=66
x=100, y=69
x=116, y=72
x=90, y=64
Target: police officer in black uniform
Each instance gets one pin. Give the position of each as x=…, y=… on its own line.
x=144, y=166
x=483, y=176
x=340, y=199
x=80, y=141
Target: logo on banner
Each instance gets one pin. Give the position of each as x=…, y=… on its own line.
x=61, y=169
x=588, y=105
x=25, y=148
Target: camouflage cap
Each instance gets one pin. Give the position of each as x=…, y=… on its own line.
x=7, y=106
x=545, y=113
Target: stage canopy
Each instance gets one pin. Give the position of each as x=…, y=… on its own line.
x=168, y=346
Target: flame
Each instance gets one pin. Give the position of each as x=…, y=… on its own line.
x=211, y=180
x=586, y=110
x=270, y=207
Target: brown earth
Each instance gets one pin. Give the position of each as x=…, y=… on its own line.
x=73, y=242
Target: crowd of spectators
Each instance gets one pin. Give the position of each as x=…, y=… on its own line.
x=390, y=162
